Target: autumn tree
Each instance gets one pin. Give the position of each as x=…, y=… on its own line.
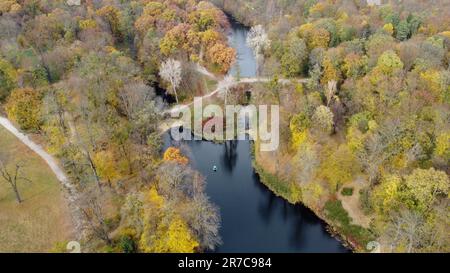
x=112, y=16
x=389, y=62
x=222, y=56
x=24, y=107
x=354, y=65
x=181, y=40
x=8, y=79
x=298, y=126
x=162, y=232
x=174, y=154
x=426, y=185
x=315, y=36
x=323, y=119
x=330, y=72
x=339, y=167
x=294, y=58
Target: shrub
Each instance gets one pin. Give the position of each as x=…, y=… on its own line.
x=126, y=244
x=347, y=191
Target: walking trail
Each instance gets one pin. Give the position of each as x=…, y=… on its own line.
x=52, y=163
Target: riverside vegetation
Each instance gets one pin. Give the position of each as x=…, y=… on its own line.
x=365, y=143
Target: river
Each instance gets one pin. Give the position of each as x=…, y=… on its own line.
x=253, y=218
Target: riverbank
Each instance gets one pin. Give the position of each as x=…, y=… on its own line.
x=333, y=215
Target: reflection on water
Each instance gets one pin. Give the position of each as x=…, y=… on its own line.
x=245, y=65
x=253, y=218
x=229, y=157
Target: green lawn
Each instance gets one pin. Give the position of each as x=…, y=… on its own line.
x=42, y=219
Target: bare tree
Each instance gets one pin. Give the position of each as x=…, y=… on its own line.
x=330, y=92
x=225, y=85
x=258, y=40
x=170, y=71
x=405, y=228
x=13, y=177
x=177, y=181
x=307, y=162
x=90, y=206
x=134, y=96
x=204, y=218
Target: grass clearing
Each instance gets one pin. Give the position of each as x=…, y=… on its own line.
x=336, y=213
x=43, y=218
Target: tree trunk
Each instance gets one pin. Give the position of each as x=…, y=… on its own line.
x=16, y=192
x=176, y=95
x=94, y=170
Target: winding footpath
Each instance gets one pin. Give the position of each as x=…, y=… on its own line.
x=220, y=87
x=52, y=163
x=204, y=71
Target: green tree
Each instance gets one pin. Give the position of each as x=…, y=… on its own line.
x=8, y=78
x=294, y=57
x=389, y=62
x=322, y=119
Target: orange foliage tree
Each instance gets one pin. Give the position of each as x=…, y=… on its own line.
x=174, y=154
x=222, y=56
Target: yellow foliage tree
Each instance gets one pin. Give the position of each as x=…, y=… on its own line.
x=174, y=238
x=330, y=72
x=389, y=28
x=319, y=37
x=180, y=39
x=164, y=232
x=354, y=65
x=24, y=107
x=443, y=145
x=87, y=24
x=431, y=80
x=386, y=195
x=315, y=37
x=112, y=16
x=106, y=165
x=299, y=129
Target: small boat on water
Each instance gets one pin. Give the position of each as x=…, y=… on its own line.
x=215, y=168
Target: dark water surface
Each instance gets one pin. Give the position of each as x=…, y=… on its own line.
x=253, y=218
x=245, y=65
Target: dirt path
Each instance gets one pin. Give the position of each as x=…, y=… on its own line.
x=352, y=204
x=72, y=193
x=51, y=162
x=204, y=71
